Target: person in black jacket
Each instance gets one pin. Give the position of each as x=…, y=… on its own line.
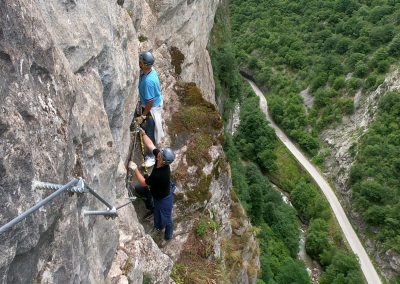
x=157, y=189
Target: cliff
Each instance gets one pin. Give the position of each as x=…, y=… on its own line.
x=69, y=74
x=343, y=143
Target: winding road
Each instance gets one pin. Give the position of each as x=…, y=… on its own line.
x=366, y=265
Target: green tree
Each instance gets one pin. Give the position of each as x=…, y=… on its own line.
x=361, y=69
x=394, y=47
x=339, y=83
x=344, y=269
x=293, y=272
x=317, y=238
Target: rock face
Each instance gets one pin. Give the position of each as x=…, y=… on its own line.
x=343, y=143
x=68, y=87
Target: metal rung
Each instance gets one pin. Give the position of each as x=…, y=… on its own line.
x=111, y=213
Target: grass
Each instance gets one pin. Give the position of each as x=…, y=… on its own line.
x=142, y=38
x=201, y=192
x=198, y=149
x=234, y=247
x=198, y=125
x=127, y=267
x=288, y=172
x=196, y=263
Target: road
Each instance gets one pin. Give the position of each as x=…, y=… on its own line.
x=366, y=265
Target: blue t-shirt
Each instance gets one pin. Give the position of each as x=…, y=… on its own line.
x=149, y=88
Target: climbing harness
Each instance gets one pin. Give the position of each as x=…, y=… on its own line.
x=76, y=185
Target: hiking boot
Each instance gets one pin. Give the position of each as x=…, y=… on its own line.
x=155, y=233
x=164, y=242
x=148, y=215
x=149, y=162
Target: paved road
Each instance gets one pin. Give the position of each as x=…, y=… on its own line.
x=366, y=265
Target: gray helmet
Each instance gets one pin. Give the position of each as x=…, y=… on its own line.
x=147, y=58
x=168, y=155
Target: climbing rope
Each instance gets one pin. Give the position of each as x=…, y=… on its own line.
x=135, y=130
x=142, y=147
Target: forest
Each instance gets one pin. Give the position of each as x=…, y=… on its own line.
x=331, y=52
x=257, y=162
x=330, y=49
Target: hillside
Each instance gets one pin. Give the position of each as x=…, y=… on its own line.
x=326, y=68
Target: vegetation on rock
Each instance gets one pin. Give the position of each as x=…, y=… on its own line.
x=375, y=178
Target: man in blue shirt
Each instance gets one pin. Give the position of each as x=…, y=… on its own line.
x=151, y=102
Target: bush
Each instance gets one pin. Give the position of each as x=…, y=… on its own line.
x=339, y=83
x=346, y=106
x=361, y=70
x=394, y=47
x=361, y=46
x=293, y=271
x=317, y=238
x=370, y=82
x=319, y=81
x=354, y=83
x=374, y=177
x=201, y=228
x=383, y=66
x=344, y=269
x=381, y=35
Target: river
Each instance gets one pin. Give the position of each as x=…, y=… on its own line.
x=313, y=268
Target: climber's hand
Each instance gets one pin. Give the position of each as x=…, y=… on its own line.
x=132, y=166
x=142, y=131
x=140, y=119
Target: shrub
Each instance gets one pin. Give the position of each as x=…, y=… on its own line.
x=383, y=66
x=361, y=69
x=339, y=83
x=354, y=83
x=394, y=47
x=370, y=82
x=142, y=38
x=317, y=238
x=201, y=228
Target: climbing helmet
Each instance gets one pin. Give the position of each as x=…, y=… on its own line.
x=168, y=155
x=147, y=58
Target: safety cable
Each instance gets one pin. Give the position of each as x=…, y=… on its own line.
x=76, y=185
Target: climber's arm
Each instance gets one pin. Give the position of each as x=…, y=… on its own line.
x=138, y=174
